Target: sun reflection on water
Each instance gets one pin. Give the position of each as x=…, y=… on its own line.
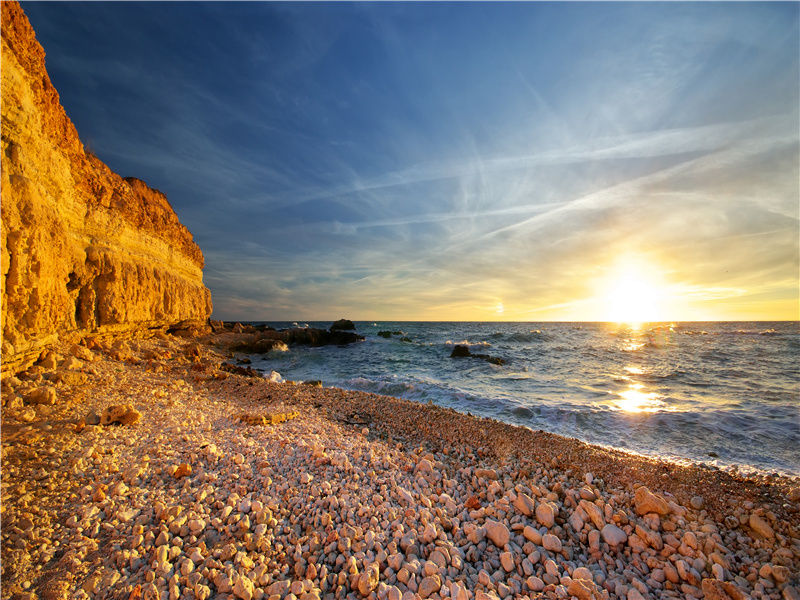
x=636, y=400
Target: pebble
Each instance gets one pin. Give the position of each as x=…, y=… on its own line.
x=760, y=526
x=646, y=501
x=507, y=561
x=545, y=514
x=497, y=533
x=524, y=504
x=613, y=535
x=314, y=506
x=551, y=542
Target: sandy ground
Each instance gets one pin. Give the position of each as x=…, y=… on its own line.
x=352, y=495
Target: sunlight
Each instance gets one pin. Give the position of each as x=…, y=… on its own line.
x=634, y=294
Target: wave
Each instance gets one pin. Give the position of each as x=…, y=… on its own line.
x=468, y=343
x=534, y=335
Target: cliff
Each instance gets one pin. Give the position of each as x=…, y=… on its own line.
x=84, y=251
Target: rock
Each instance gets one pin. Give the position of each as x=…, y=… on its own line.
x=634, y=594
x=532, y=534
x=93, y=252
x=497, y=533
x=429, y=586
x=82, y=353
x=760, y=526
x=368, y=580
x=72, y=364
x=545, y=514
x=490, y=474
x=613, y=535
x=183, y=470
x=405, y=495
x=243, y=588
x=696, y=502
x=472, y=503
x=342, y=325
x=92, y=418
x=551, y=542
x=535, y=584
x=583, y=589
x=461, y=351
x=721, y=590
x=594, y=513
x=646, y=501
x=507, y=561
x=790, y=593
x=43, y=395
x=524, y=504
x=281, y=588
x=124, y=414
x=582, y=573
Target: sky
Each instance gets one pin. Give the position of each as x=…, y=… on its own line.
x=478, y=161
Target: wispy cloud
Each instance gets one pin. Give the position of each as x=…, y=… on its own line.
x=418, y=161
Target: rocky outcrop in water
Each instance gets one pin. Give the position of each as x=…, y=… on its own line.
x=84, y=250
x=261, y=340
x=461, y=351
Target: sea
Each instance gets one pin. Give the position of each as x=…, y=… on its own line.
x=725, y=394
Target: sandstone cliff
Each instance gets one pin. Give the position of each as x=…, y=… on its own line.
x=84, y=251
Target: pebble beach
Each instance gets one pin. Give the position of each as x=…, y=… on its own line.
x=154, y=468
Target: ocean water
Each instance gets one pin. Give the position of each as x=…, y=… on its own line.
x=721, y=393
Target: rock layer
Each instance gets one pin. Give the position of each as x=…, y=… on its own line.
x=84, y=250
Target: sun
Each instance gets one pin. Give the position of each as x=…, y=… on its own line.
x=634, y=293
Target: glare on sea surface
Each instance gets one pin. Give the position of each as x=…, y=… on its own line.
x=636, y=400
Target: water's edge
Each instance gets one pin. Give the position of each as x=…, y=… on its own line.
x=725, y=395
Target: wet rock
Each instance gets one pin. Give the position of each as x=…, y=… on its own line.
x=342, y=325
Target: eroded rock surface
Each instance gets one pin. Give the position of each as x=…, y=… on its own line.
x=84, y=250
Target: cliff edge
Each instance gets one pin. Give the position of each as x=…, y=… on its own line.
x=84, y=251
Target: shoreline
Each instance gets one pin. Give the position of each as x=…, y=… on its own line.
x=352, y=443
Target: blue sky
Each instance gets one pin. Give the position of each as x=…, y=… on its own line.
x=454, y=161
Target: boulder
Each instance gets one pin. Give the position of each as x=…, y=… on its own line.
x=343, y=325
x=460, y=351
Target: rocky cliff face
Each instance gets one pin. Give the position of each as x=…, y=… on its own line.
x=83, y=250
